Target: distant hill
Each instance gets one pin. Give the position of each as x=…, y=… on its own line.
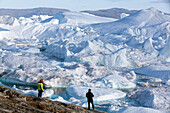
x=111, y=13
x=29, y=12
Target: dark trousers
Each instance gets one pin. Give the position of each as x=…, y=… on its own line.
x=40, y=93
x=90, y=101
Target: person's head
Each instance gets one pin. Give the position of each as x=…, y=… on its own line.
x=41, y=81
x=89, y=90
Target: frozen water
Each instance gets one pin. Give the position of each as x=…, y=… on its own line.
x=139, y=110
x=113, y=81
x=75, y=48
x=100, y=94
x=46, y=93
x=164, y=53
x=158, y=98
x=158, y=71
x=60, y=99
x=148, y=47
x=78, y=18
x=7, y=20
x=168, y=83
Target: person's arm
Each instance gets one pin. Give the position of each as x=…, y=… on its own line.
x=42, y=87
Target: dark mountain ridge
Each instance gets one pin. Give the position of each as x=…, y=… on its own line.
x=29, y=12
x=111, y=13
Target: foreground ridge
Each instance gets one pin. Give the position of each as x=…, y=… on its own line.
x=12, y=101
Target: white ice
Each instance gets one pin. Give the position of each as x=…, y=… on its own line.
x=138, y=110
x=46, y=93
x=100, y=94
x=168, y=83
x=158, y=98
x=114, y=81
x=79, y=18
x=165, y=53
x=75, y=48
x=157, y=71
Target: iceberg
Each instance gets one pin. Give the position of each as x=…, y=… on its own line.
x=164, y=53
x=115, y=59
x=157, y=71
x=77, y=18
x=168, y=83
x=46, y=93
x=31, y=50
x=7, y=34
x=142, y=18
x=60, y=99
x=7, y=20
x=100, y=94
x=57, y=50
x=148, y=47
x=81, y=51
x=138, y=110
x=157, y=98
x=114, y=81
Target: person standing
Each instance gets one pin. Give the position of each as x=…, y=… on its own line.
x=40, y=88
x=90, y=96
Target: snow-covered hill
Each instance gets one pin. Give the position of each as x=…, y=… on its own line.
x=75, y=48
x=146, y=29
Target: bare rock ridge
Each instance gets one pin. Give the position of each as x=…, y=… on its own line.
x=14, y=102
x=29, y=12
x=111, y=13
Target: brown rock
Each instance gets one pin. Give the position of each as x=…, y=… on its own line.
x=14, y=102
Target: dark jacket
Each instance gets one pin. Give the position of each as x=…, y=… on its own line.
x=89, y=96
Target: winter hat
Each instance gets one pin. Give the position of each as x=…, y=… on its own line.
x=41, y=81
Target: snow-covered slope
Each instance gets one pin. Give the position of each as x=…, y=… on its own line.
x=138, y=27
x=75, y=18
x=147, y=30
x=140, y=19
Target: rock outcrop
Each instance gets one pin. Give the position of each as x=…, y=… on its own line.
x=14, y=102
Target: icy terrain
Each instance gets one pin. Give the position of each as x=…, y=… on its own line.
x=78, y=51
x=158, y=98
